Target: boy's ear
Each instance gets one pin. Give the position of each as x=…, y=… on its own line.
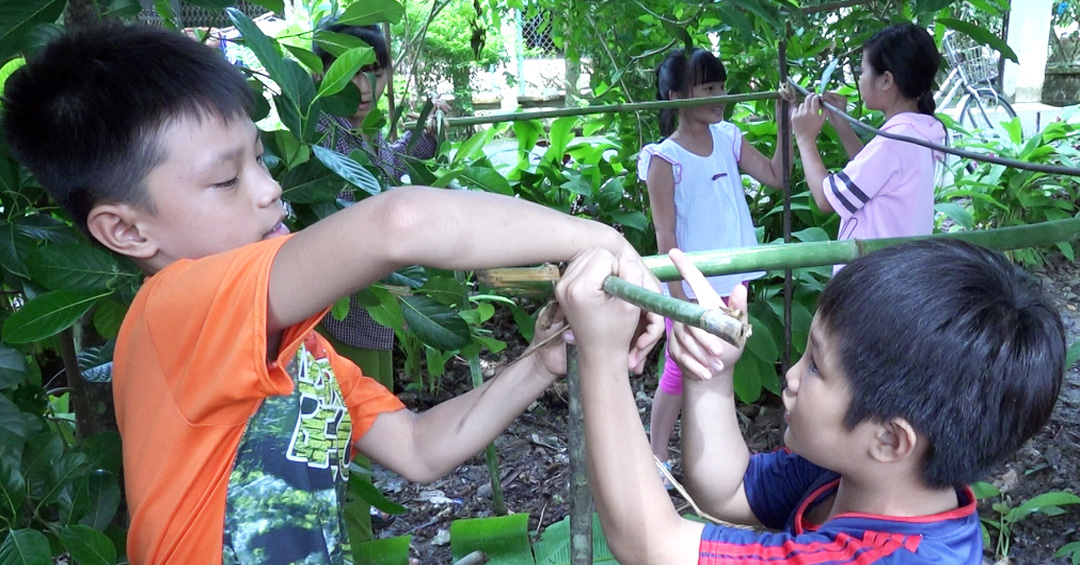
x=116, y=227
x=893, y=441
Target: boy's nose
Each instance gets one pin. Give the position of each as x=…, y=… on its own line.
x=791, y=379
x=269, y=191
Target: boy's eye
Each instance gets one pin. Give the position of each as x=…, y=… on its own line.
x=227, y=184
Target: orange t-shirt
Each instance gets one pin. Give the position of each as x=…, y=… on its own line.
x=190, y=371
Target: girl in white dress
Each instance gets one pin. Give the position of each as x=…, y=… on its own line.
x=696, y=194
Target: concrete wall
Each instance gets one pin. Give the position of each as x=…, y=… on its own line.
x=1029, y=31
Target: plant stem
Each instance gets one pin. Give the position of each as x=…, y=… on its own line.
x=489, y=452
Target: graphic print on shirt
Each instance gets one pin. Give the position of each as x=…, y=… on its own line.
x=321, y=437
x=286, y=495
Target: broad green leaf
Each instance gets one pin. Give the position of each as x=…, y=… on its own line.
x=123, y=9
x=957, y=213
x=343, y=69
x=635, y=220
x=103, y=452
x=750, y=375
x=435, y=324
x=265, y=49
x=74, y=501
x=337, y=44
x=69, y=467
x=413, y=276
x=1041, y=503
x=365, y=13
x=12, y=488
x=446, y=290
x=348, y=169
x=562, y=132
x=982, y=35
x=311, y=182
x=527, y=133
x=436, y=362
x=13, y=366
x=310, y=60
x=9, y=254
x=387, y=551
x=553, y=548
x=25, y=547
x=104, y=489
x=984, y=490
x=88, y=546
x=504, y=539
x=108, y=316
x=340, y=309
x=382, y=306
x=12, y=424
x=73, y=267
x=483, y=178
x=473, y=147
x=367, y=492
x=17, y=19
x=48, y=314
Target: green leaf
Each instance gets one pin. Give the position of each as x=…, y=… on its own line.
x=446, y=290
x=982, y=35
x=365, y=13
x=957, y=213
x=5, y=72
x=104, y=489
x=25, y=547
x=435, y=324
x=17, y=19
x=348, y=169
x=750, y=375
x=311, y=182
x=382, y=306
x=9, y=253
x=366, y=491
x=69, y=467
x=337, y=44
x=13, y=366
x=483, y=178
x=88, y=546
x=504, y=539
x=553, y=548
x=984, y=490
x=13, y=424
x=343, y=69
x=48, y=314
x=108, y=316
x=473, y=147
x=387, y=551
x=310, y=60
x=12, y=488
x=73, y=267
x=265, y=49
x=562, y=133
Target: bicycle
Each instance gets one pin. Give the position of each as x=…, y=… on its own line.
x=973, y=67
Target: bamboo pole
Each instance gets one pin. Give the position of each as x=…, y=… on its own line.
x=785, y=149
x=727, y=324
x=607, y=108
x=798, y=255
x=580, y=495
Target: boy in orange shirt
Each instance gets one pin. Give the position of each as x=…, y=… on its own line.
x=237, y=418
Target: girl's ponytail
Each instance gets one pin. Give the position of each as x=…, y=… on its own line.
x=926, y=103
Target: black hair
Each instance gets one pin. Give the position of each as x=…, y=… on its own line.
x=370, y=34
x=908, y=52
x=85, y=114
x=681, y=72
x=956, y=340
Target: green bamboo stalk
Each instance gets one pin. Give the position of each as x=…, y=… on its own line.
x=489, y=452
x=607, y=109
x=715, y=321
x=799, y=255
x=581, y=502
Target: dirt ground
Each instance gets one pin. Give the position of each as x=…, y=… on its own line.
x=535, y=473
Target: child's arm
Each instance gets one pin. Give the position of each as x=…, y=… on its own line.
x=850, y=140
x=423, y=447
x=639, y=521
x=447, y=229
x=806, y=120
x=769, y=172
x=660, y=181
x=715, y=456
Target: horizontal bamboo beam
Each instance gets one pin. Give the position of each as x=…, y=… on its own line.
x=798, y=255
x=605, y=109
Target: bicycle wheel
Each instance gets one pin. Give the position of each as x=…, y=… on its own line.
x=985, y=110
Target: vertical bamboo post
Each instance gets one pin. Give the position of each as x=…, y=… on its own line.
x=580, y=494
x=489, y=451
x=785, y=148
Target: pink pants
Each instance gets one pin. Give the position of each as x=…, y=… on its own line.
x=671, y=380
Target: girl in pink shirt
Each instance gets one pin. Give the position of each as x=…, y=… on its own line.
x=887, y=189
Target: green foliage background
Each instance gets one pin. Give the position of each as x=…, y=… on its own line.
x=63, y=298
